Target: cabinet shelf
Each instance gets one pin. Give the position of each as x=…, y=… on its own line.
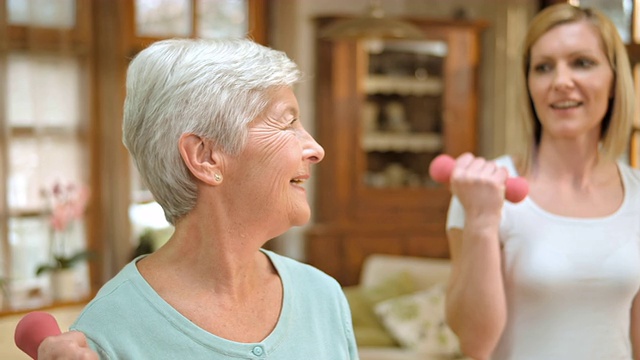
x=395, y=142
x=403, y=85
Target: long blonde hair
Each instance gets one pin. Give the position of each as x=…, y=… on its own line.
x=616, y=125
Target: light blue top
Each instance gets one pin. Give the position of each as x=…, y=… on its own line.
x=129, y=320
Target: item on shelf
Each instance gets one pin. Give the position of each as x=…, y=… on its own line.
x=370, y=112
x=396, y=175
x=421, y=73
x=414, y=180
x=424, y=113
x=375, y=179
x=395, y=116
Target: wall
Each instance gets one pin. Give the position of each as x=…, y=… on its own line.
x=291, y=30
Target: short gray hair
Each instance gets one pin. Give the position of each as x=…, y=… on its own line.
x=212, y=88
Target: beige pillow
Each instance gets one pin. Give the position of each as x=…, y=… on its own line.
x=367, y=327
x=417, y=321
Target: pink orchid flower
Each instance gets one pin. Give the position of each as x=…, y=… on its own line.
x=68, y=204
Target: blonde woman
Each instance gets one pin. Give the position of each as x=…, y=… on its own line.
x=556, y=276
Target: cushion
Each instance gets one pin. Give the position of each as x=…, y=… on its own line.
x=368, y=329
x=417, y=321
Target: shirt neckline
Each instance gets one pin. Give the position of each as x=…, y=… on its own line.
x=625, y=186
x=212, y=341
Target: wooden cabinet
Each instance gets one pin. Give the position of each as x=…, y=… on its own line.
x=384, y=110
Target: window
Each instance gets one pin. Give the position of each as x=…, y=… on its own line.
x=44, y=144
x=63, y=65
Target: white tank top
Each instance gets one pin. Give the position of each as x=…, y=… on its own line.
x=569, y=282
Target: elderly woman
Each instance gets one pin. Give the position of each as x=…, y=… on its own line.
x=214, y=129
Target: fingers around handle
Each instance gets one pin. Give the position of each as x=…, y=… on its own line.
x=440, y=169
x=32, y=329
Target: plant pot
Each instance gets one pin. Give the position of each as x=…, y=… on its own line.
x=64, y=285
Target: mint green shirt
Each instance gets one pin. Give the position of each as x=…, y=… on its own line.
x=128, y=320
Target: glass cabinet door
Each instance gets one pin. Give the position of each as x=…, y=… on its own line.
x=401, y=120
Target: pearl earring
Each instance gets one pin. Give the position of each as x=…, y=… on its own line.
x=217, y=177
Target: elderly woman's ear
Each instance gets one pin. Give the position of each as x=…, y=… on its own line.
x=200, y=156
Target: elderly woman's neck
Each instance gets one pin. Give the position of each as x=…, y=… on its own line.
x=208, y=255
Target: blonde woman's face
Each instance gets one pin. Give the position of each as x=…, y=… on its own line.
x=570, y=81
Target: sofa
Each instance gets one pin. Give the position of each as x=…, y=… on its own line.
x=398, y=309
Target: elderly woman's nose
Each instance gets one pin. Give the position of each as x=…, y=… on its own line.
x=312, y=150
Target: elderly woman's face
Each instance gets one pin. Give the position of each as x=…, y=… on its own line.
x=570, y=81
x=275, y=164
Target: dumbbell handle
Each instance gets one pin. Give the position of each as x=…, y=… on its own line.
x=440, y=169
x=32, y=329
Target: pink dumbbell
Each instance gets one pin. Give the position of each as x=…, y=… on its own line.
x=32, y=329
x=440, y=169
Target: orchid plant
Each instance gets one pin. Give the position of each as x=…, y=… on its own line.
x=68, y=204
